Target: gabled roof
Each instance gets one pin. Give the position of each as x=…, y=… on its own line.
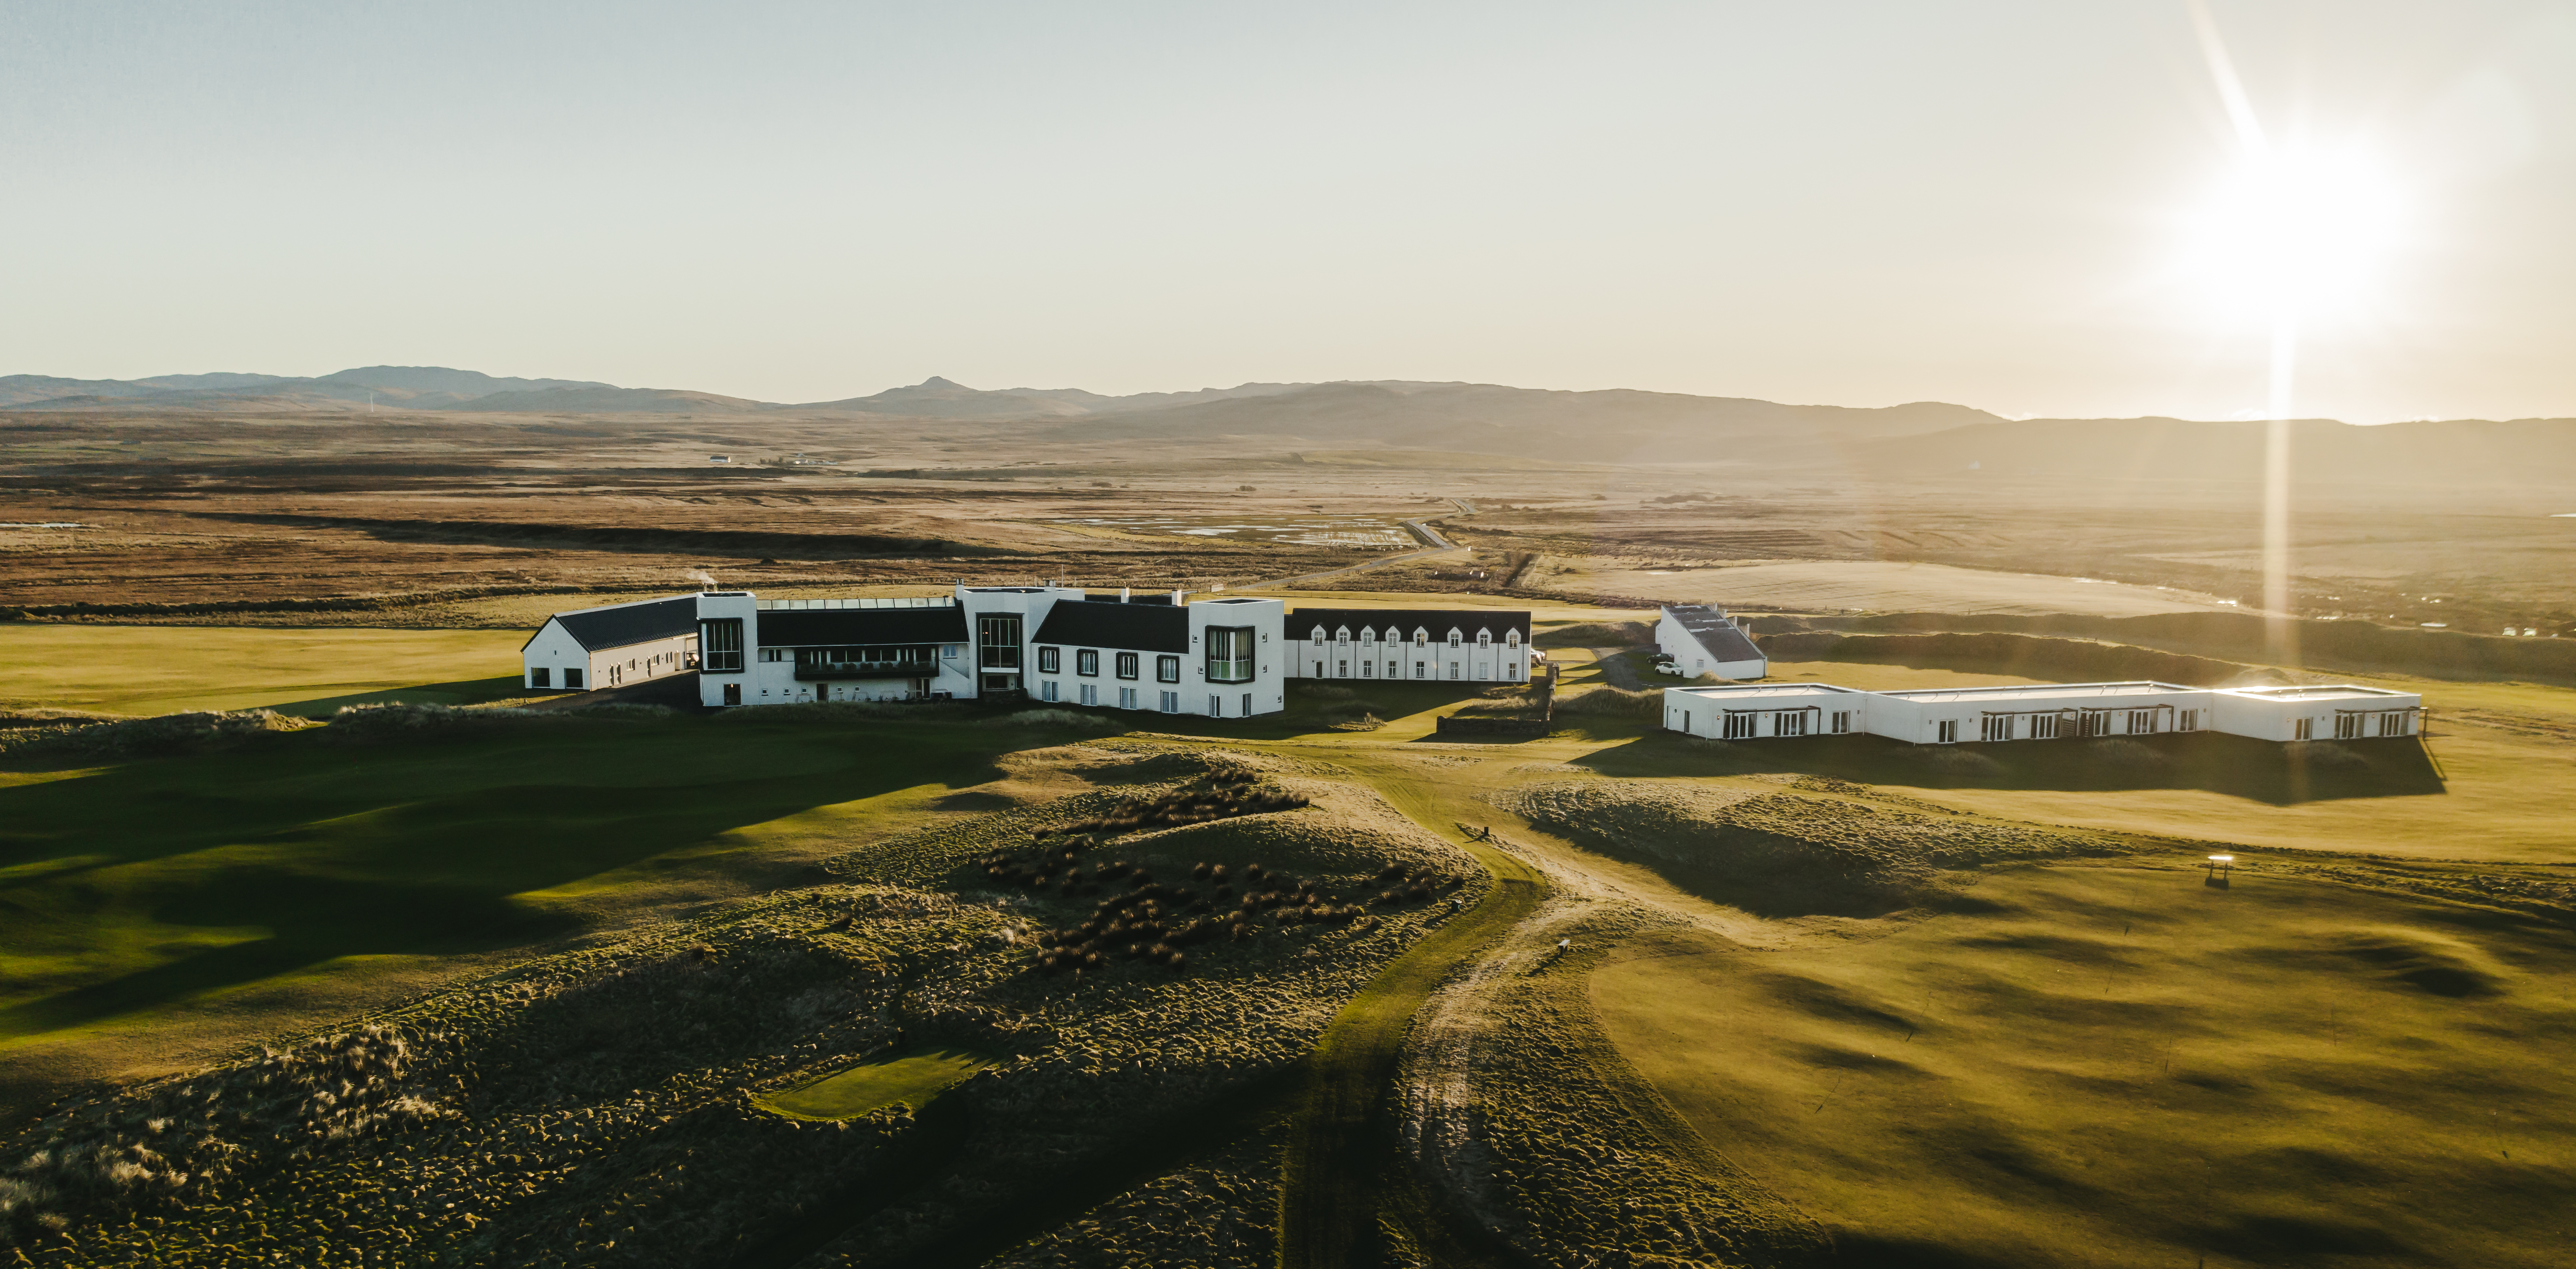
x=1714, y=632
x=829, y=627
x=621, y=625
x=1439, y=621
x=1092, y=623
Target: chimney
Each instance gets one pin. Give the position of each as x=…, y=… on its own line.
x=1176, y=599
x=1122, y=594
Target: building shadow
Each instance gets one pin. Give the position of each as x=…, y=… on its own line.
x=2237, y=766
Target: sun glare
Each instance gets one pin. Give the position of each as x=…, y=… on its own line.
x=2298, y=235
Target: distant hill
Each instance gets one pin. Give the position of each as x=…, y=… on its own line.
x=945, y=398
x=2457, y=451
x=1613, y=425
x=602, y=399
x=404, y=387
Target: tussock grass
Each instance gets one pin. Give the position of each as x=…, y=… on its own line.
x=143, y=737
x=1613, y=702
x=1784, y=853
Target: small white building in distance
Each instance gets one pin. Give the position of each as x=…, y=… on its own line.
x=1702, y=640
x=613, y=645
x=2046, y=711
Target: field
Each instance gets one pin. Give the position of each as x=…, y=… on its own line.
x=439, y=983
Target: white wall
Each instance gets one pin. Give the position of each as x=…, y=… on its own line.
x=2276, y=718
x=1268, y=687
x=1344, y=655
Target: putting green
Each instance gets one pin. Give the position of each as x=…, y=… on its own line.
x=913, y=1079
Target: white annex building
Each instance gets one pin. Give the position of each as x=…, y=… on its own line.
x=1468, y=645
x=2054, y=711
x=613, y=645
x=1702, y=640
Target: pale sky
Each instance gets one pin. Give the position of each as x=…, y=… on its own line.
x=1842, y=203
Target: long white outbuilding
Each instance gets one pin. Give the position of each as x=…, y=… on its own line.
x=2045, y=711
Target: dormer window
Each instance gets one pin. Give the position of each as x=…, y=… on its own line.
x=1484, y=638
x=1511, y=638
x=1319, y=636
x=1421, y=637
x=1342, y=635
x=1454, y=638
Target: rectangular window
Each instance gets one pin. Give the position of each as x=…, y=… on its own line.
x=1842, y=721
x=774, y=654
x=1247, y=705
x=1050, y=661
x=719, y=646
x=1453, y=669
x=2347, y=726
x=1785, y=723
x=1090, y=693
x=733, y=693
x=1341, y=669
x=1739, y=727
x=2043, y=726
x=1127, y=665
x=1171, y=702
x=1421, y=671
x=2304, y=729
x=1046, y=690
x=2391, y=724
x=2187, y=720
x=1216, y=705
x=1126, y=698
x=1229, y=654
x=2142, y=722
x=1948, y=731
x=997, y=641
x=1997, y=727
x=1368, y=669
x=1167, y=670
x=572, y=680
x=541, y=676
x=1087, y=662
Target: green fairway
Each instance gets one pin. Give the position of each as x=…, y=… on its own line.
x=130, y=891
x=913, y=1079
x=2130, y=1066
x=313, y=671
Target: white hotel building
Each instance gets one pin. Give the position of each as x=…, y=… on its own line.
x=2053, y=711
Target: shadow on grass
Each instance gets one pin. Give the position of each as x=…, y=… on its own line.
x=412, y=846
x=460, y=692
x=2237, y=766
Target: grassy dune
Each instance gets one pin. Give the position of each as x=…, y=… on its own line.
x=2125, y=1066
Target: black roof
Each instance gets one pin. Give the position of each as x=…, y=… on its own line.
x=1439, y=621
x=1091, y=623
x=640, y=622
x=1715, y=632
x=827, y=627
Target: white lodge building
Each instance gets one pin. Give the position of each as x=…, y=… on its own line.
x=1219, y=657
x=612, y=646
x=2051, y=711
x=1470, y=645
x=1702, y=640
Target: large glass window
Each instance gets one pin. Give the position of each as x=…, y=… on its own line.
x=1229, y=654
x=1167, y=670
x=1050, y=661
x=1087, y=662
x=1127, y=666
x=997, y=641
x=719, y=646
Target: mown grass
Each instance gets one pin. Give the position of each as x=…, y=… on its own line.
x=2130, y=1066
x=311, y=671
x=912, y=1079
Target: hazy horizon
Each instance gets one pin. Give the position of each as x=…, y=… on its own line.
x=1863, y=206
